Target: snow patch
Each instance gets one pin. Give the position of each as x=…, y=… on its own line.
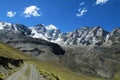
x=35, y=34
x=50, y=27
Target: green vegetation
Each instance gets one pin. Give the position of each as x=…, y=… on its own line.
x=9, y=52
x=2, y=76
x=117, y=76
x=48, y=70
x=55, y=71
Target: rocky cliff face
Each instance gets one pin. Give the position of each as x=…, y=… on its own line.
x=85, y=36
x=115, y=35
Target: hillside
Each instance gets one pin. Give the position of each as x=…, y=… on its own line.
x=49, y=70
x=96, y=60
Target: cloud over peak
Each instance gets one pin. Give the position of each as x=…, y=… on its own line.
x=31, y=11
x=82, y=9
x=101, y=2
x=11, y=14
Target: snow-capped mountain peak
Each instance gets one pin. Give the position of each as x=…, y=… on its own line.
x=81, y=36
x=15, y=28
x=51, y=27
x=49, y=33
x=4, y=25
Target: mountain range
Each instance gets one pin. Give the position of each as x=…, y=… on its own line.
x=82, y=36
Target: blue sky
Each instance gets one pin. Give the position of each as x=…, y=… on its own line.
x=67, y=15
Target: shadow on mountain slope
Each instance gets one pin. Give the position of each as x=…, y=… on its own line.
x=36, y=47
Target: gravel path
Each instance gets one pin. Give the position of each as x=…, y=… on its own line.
x=19, y=73
x=33, y=75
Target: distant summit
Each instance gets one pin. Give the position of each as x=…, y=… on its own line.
x=51, y=27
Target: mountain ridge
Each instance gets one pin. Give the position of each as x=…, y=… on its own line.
x=82, y=36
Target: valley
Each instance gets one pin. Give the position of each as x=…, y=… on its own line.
x=59, y=39
x=92, y=54
x=52, y=71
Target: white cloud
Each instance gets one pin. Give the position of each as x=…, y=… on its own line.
x=81, y=12
x=31, y=11
x=82, y=3
x=101, y=2
x=11, y=14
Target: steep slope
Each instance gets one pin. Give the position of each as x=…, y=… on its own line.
x=10, y=60
x=37, y=47
x=82, y=36
x=15, y=27
x=49, y=33
x=85, y=36
x=115, y=36
x=97, y=60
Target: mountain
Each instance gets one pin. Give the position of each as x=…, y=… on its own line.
x=115, y=35
x=15, y=27
x=49, y=33
x=18, y=36
x=83, y=36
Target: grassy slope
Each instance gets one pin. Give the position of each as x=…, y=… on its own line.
x=9, y=52
x=45, y=68
x=64, y=73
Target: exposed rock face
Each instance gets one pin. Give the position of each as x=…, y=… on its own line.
x=82, y=36
x=15, y=27
x=115, y=35
x=85, y=36
x=6, y=61
x=49, y=33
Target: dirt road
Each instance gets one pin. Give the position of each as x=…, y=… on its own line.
x=19, y=73
x=33, y=74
